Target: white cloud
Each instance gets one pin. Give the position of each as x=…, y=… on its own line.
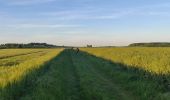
x=41, y=26
x=108, y=14
x=154, y=13
x=89, y=14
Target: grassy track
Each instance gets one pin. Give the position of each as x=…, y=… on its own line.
x=96, y=85
x=74, y=76
x=60, y=82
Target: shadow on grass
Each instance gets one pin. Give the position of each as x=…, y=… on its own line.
x=15, y=90
x=145, y=85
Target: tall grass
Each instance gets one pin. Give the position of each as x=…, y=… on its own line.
x=15, y=52
x=10, y=76
x=143, y=71
x=15, y=60
x=154, y=60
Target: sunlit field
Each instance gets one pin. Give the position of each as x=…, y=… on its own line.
x=126, y=73
x=84, y=50
x=146, y=69
x=153, y=60
x=15, y=64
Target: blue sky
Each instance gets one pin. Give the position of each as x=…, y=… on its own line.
x=81, y=22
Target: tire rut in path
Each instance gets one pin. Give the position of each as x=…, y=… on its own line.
x=105, y=86
x=70, y=78
x=121, y=93
x=74, y=76
x=59, y=82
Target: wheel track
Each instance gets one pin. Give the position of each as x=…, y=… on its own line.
x=59, y=82
x=72, y=76
x=107, y=83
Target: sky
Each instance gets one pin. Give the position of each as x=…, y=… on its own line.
x=82, y=22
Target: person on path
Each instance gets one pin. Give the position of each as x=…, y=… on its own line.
x=77, y=50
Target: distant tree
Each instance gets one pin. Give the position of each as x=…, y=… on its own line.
x=152, y=44
x=20, y=46
x=29, y=45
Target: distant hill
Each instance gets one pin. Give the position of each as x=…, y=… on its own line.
x=152, y=44
x=29, y=45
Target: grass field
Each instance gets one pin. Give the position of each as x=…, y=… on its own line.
x=91, y=74
x=153, y=60
x=16, y=64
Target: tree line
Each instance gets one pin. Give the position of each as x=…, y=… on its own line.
x=29, y=45
x=153, y=44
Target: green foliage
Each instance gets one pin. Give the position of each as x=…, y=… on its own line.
x=29, y=45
